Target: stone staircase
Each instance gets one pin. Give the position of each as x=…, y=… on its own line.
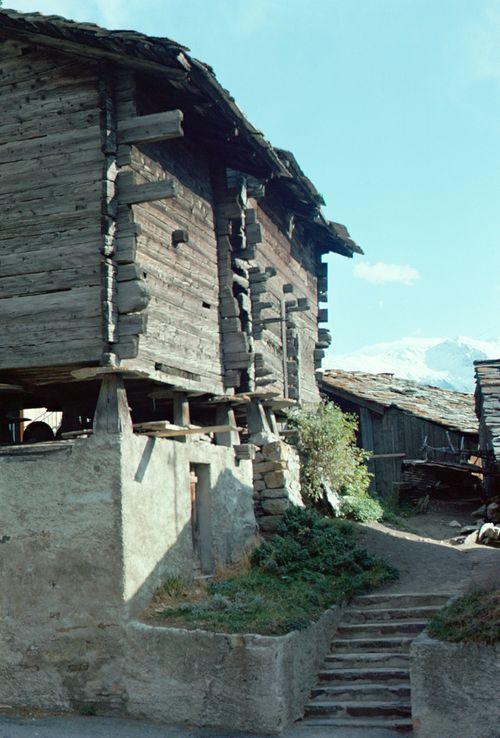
x=365, y=680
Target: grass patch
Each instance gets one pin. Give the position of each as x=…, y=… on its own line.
x=473, y=618
x=394, y=514
x=288, y=581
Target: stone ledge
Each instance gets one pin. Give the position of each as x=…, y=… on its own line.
x=238, y=682
x=454, y=688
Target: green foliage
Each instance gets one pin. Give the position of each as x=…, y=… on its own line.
x=473, y=618
x=312, y=563
x=326, y=442
x=361, y=507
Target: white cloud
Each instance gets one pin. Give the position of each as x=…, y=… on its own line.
x=381, y=273
x=484, y=41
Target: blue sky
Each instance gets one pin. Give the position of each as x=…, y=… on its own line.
x=392, y=107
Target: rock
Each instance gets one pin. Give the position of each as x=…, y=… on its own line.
x=275, y=479
x=262, y=439
x=480, y=512
x=268, y=466
x=275, y=493
x=488, y=532
x=455, y=524
x=332, y=498
x=258, y=485
x=276, y=507
x=273, y=451
x=270, y=523
x=469, y=529
x=493, y=512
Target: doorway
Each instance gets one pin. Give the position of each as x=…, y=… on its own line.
x=201, y=524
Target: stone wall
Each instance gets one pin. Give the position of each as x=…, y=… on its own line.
x=454, y=689
x=241, y=682
x=87, y=529
x=276, y=483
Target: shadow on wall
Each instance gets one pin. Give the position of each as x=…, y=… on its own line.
x=185, y=510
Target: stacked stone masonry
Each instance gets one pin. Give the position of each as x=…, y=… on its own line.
x=276, y=483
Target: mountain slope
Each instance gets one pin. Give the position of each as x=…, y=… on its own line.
x=442, y=362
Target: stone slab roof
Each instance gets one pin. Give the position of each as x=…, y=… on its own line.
x=488, y=400
x=452, y=410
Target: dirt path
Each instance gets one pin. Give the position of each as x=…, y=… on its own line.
x=427, y=560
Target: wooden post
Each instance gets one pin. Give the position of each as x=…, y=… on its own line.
x=112, y=414
x=284, y=346
x=225, y=416
x=181, y=408
x=256, y=417
x=271, y=419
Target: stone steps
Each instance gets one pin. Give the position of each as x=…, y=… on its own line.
x=365, y=674
x=367, y=614
x=368, y=691
x=404, y=600
x=365, y=679
x=344, y=645
x=358, y=708
x=386, y=627
x=337, y=724
x=350, y=660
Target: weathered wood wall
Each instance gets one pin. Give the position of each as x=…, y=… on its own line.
x=183, y=315
x=293, y=285
x=195, y=283
x=399, y=432
x=51, y=167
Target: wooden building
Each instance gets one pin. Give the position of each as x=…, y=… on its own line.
x=488, y=412
x=403, y=422
x=147, y=227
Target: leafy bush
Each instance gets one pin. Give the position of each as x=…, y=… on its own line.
x=326, y=442
x=473, y=618
x=361, y=508
x=312, y=563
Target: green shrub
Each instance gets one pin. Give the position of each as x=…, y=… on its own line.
x=326, y=442
x=312, y=563
x=361, y=508
x=473, y=618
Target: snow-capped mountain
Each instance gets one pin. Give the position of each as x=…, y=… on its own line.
x=443, y=362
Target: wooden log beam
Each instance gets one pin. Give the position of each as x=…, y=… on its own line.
x=130, y=193
x=150, y=128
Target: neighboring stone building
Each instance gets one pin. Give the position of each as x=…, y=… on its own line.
x=161, y=287
x=406, y=424
x=488, y=412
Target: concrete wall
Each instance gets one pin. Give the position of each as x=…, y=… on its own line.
x=241, y=682
x=87, y=529
x=454, y=689
x=61, y=565
x=156, y=511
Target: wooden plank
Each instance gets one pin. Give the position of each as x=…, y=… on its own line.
x=130, y=193
x=150, y=128
x=171, y=431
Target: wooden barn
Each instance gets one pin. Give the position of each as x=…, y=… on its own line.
x=147, y=227
x=488, y=412
x=406, y=425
